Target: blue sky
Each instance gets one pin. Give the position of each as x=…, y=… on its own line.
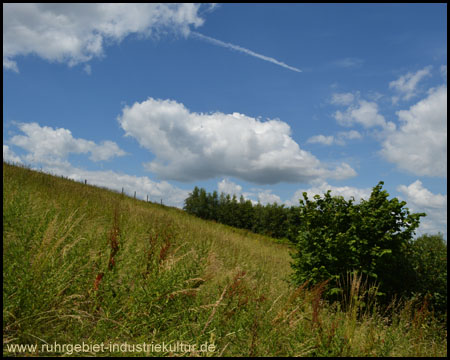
x=264, y=100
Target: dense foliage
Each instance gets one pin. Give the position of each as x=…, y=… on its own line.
x=374, y=238
x=273, y=220
x=430, y=264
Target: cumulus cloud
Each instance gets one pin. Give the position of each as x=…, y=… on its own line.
x=105, y=151
x=228, y=187
x=339, y=139
x=75, y=33
x=359, y=111
x=10, y=156
x=351, y=135
x=364, y=113
x=419, y=146
x=321, y=139
x=52, y=146
x=420, y=199
x=342, y=98
x=406, y=85
x=192, y=146
x=10, y=65
x=267, y=197
x=87, y=69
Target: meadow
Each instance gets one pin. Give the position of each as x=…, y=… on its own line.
x=89, y=271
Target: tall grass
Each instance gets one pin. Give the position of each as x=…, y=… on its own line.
x=84, y=264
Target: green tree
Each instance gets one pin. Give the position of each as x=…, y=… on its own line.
x=234, y=219
x=257, y=220
x=338, y=236
x=203, y=208
x=214, y=206
x=247, y=215
x=191, y=203
x=221, y=212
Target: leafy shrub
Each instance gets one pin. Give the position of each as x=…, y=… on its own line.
x=430, y=263
x=373, y=238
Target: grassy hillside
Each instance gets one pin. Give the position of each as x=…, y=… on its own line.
x=87, y=271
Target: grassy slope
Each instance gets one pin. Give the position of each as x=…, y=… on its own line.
x=173, y=278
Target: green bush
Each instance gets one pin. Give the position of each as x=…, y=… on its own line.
x=430, y=263
x=373, y=238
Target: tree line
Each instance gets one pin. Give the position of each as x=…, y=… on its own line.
x=277, y=221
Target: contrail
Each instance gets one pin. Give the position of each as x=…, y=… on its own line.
x=244, y=50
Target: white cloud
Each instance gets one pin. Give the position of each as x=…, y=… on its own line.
x=347, y=135
x=420, y=144
x=339, y=139
x=342, y=98
x=420, y=199
x=10, y=65
x=212, y=7
x=321, y=139
x=191, y=146
x=105, y=151
x=52, y=146
x=87, y=69
x=228, y=187
x=243, y=50
x=10, y=156
x=351, y=135
x=342, y=172
x=359, y=111
x=75, y=33
x=266, y=197
x=406, y=85
x=364, y=113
